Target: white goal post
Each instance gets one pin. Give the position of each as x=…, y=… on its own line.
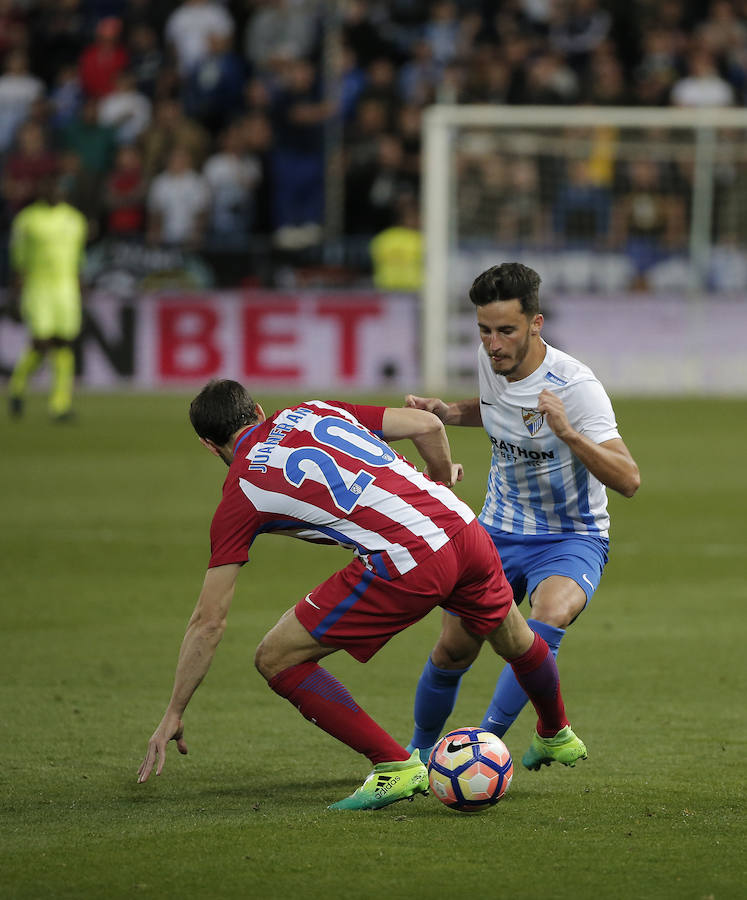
x=705, y=196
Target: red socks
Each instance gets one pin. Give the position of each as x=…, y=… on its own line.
x=326, y=702
x=537, y=672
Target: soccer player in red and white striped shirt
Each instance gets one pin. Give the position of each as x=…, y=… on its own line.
x=323, y=471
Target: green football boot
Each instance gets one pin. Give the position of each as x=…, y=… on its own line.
x=388, y=783
x=564, y=748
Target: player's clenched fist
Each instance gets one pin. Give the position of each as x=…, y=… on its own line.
x=457, y=474
x=551, y=406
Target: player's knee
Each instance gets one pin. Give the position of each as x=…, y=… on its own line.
x=264, y=662
x=513, y=636
x=557, y=601
x=559, y=614
x=271, y=657
x=445, y=656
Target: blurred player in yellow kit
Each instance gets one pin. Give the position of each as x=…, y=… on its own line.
x=47, y=247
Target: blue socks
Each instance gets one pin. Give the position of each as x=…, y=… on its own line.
x=437, y=692
x=509, y=698
x=435, y=697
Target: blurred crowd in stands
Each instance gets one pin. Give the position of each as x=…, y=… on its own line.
x=214, y=126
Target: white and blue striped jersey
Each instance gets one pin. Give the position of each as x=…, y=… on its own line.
x=536, y=485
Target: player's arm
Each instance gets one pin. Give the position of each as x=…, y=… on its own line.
x=461, y=412
x=611, y=462
x=428, y=434
x=204, y=632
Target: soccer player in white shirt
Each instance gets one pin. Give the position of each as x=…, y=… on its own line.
x=556, y=449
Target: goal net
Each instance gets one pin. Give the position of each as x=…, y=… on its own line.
x=606, y=203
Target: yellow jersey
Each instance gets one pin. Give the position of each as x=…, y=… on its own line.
x=47, y=247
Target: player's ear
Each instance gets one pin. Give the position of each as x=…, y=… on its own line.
x=536, y=324
x=261, y=417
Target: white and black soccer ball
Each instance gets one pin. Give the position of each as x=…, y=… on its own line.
x=470, y=770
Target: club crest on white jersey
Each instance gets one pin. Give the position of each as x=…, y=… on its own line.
x=533, y=419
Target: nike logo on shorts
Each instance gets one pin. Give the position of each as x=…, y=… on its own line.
x=586, y=579
x=308, y=599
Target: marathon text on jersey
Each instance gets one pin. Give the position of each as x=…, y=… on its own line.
x=520, y=452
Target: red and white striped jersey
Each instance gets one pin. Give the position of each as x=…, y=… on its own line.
x=321, y=472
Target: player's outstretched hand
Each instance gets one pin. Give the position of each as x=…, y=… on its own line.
x=431, y=404
x=170, y=729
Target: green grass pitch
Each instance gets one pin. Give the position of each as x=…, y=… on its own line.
x=103, y=542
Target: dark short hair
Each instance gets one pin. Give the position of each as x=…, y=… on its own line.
x=508, y=281
x=220, y=409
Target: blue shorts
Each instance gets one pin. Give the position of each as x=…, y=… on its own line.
x=530, y=558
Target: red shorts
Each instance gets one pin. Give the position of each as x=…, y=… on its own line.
x=358, y=611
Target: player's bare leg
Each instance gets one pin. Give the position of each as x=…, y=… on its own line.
x=286, y=644
x=557, y=601
x=288, y=658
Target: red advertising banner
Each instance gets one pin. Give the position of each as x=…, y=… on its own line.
x=275, y=340
x=279, y=340
x=636, y=344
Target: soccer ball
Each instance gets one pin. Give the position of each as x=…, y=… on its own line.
x=470, y=769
